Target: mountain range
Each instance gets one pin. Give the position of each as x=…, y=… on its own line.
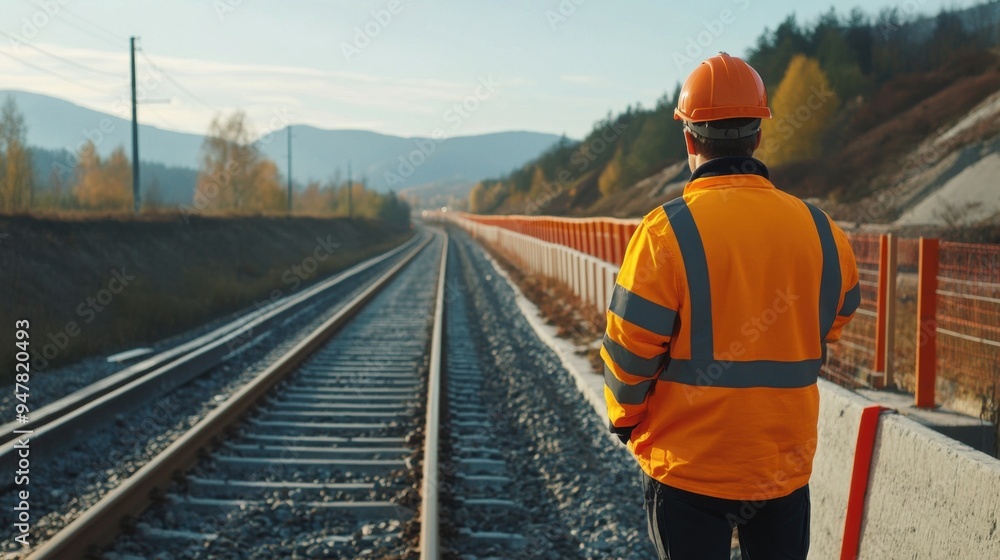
x=386, y=162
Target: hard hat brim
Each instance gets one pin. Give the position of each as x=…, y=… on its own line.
x=720, y=113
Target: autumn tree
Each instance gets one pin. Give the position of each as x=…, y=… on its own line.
x=803, y=106
x=487, y=195
x=314, y=200
x=775, y=49
x=331, y=200
x=538, y=180
x=234, y=176
x=477, y=198
x=103, y=185
x=610, y=178
x=16, y=177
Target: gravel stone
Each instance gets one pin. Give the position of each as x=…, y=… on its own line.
x=582, y=496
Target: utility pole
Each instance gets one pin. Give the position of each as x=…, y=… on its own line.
x=289, y=170
x=350, y=191
x=135, y=132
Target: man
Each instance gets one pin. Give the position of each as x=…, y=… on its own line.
x=717, y=329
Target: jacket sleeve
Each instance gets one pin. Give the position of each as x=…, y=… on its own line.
x=850, y=297
x=640, y=320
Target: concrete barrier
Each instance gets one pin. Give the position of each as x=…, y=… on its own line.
x=928, y=495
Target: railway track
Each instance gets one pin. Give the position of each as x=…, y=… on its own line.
x=420, y=420
x=325, y=442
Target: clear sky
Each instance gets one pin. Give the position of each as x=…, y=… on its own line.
x=392, y=66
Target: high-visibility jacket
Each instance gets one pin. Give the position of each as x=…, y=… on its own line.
x=717, y=329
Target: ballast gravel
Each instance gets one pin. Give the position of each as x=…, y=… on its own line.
x=291, y=523
x=582, y=494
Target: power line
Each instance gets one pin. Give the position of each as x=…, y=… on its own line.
x=91, y=33
x=54, y=74
x=57, y=57
x=110, y=33
x=104, y=38
x=175, y=82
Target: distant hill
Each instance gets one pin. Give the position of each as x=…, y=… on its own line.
x=397, y=163
x=386, y=162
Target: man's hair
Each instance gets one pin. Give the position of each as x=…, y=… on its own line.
x=713, y=148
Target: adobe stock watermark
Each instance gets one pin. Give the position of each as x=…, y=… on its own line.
x=798, y=460
x=365, y=34
x=564, y=10
x=88, y=309
x=456, y=115
x=752, y=330
x=148, y=82
x=788, y=125
x=909, y=8
x=293, y=277
x=225, y=7
x=697, y=46
x=581, y=160
x=886, y=199
x=32, y=25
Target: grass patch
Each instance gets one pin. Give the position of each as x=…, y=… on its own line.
x=92, y=286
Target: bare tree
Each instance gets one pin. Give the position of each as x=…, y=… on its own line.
x=15, y=160
x=234, y=176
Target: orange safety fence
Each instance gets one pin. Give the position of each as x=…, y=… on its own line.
x=852, y=360
x=908, y=255
x=967, y=313
x=968, y=318
x=604, y=238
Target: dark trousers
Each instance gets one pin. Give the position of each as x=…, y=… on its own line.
x=688, y=526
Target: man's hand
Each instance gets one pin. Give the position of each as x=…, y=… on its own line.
x=624, y=434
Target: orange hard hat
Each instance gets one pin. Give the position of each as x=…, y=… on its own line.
x=722, y=87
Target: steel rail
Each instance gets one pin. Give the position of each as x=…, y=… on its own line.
x=61, y=422
x=429, y=524
x=99, y=525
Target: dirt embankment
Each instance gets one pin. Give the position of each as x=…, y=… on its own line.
x=92, y=286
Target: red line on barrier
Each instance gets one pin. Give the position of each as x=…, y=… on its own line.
x=859, y=481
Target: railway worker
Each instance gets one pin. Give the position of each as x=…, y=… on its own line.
x=717, y=329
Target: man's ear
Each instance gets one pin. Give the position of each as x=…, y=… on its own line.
x=692, y=147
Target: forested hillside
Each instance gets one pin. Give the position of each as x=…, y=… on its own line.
x=851, y=93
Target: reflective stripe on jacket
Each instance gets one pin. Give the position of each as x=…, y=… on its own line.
x=717, y=329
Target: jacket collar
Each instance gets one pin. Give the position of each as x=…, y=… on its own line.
x=730, y=166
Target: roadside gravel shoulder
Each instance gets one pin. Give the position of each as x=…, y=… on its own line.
x=573, y=357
